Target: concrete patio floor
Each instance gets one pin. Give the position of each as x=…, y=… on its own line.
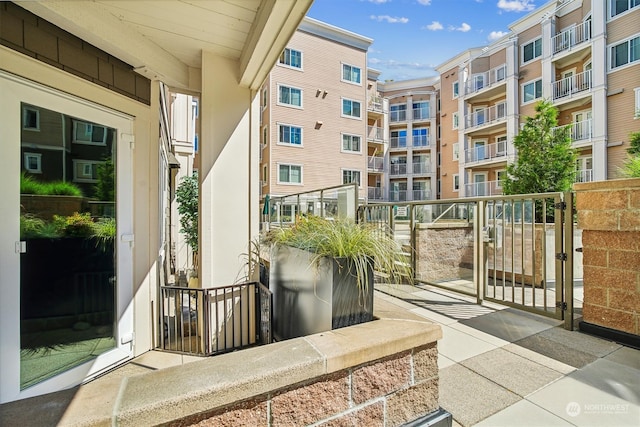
x=501, y=366
x=498, y=367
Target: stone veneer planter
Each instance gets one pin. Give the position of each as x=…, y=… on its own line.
x=47, y=206
x=609, y=215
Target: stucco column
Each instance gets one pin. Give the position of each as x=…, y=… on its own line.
x=227, y=190
x=548, y=68
x=599, y=90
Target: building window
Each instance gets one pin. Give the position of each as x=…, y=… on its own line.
x=398, y=138
x=264, y=99
x=289, y=174
x=264, y=136
x=350, y=176
x=351, y=73
x=455, y=119
x=33, y=162
x=456, y=182
x=531, y=50
x=30, y=118
x=420, y=110
x=501, y=145
x=88, y=133
x=291, y=58
x=420, y=137
x=500, y=177
x=637, y=109
x=289, y=135
x=456, y=151
x=398, y=112
x=289, y=96
x=265, y=174
x=85, y=170
x=351, y=143
x=616, y=7
x=456, y=91
x=624, y=53
x=531, y=91
x=350, y=108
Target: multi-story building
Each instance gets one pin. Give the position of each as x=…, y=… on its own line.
x=314, y=112
x=582, y=56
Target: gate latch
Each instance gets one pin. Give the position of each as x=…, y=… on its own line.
x=561, y=256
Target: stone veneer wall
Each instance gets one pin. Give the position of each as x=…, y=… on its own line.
x=31, y=35
x=443, y=251
x=386, y=392
x=609, y=214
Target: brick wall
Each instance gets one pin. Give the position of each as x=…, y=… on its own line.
x=26, y=33
x=609, y=214
x=387, y=392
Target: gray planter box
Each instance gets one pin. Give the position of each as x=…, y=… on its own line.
x=309, y=298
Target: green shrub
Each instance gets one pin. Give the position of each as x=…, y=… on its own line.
x=60, y=188
x=76, y=225
x=28, y=185
x=30, y=226
x=631, y=167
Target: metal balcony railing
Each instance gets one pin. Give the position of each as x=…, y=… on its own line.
x=485, y=152
x=375, y=104
x=421, y=194
x=584, y=175
x=579, y=131
x=398, y=169
x=421, y=113
x=376, y=163
x=571, y=37
x=398, y=195
x=571, y=86
x=215, y=320
x=375, y=133
x=398, y=116
x=487, y=188
x=486, y=115
x=421, y=168
x=420, y=141
x=487, y=79
x=398, y=142
x=375, y=193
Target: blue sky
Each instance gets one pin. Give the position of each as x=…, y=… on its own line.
x=413, y=36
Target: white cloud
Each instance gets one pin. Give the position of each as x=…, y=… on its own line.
x=464, y=27
x=392, y=63
x=516, y=5
x=425, y=2
x=379, y=1
x=495, y=35
x=434, y=26
x=390, y=19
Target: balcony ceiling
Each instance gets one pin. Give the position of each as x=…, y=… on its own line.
x=165, y=39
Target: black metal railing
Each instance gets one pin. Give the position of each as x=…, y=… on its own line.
x=210, y=321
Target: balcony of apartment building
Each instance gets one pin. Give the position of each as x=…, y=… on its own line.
x=571, y=87
x=484, y=188
x=569, y=44
x=375, y=194
x=420, y=138
x=420, y=112
x=375, y=106
x=483, y=154
x=375, y=135
x=584, y=175
x=398, y=140
x=421, y=194
x=375, y=164
x=486, y=84
x=580, y=131
x=398, y=169
x=485, y=118
x=398, y=196
x=421, y=168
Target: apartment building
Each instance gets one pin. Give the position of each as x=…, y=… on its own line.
x=584, y=56
x=313, y=119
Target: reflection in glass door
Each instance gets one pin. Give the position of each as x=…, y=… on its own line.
x=67, y=235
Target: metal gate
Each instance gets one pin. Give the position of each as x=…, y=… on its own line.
x=514, y=250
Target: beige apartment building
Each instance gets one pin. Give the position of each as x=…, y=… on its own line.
x=584, y=56
x=313, y=118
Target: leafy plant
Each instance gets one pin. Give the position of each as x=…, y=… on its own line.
x=187, y=198
x=105, y=187
x=30, y=226
x=76, y=225
x=361, y=244
x=631, y=167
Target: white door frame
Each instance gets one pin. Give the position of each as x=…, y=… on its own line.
x=16, y=90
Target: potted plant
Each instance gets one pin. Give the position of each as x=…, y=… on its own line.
x=321, y=273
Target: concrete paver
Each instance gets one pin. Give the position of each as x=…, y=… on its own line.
x=527, y=414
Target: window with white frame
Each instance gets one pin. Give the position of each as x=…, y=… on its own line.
x=264, y=98
x=531, y=50
x=33, y=162
x=30, y=118
x=85, y=170
x=455, y=119
x=265, y=174
x=420, y=137
x=351, y=143
x=88, y=133
x=350, y=176
x=637, y=109
x=291, y=58
x=501, y=145
x=289, y=96
x=616, y=7
x=351, y=73
x=531, y=91
x=501, y=175
x=289, y=135
x=456, y=89
x=350, y=108
x=289, y=174
x=264, y=136
x=456, y=151
x=456, y=182
x=624, y=53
